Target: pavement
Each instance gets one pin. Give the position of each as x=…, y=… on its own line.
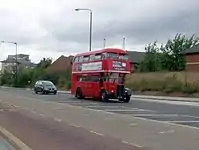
x=140, y=124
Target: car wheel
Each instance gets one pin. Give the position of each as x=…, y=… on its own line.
x=55, y=93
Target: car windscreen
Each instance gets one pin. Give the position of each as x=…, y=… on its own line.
x=48, y=83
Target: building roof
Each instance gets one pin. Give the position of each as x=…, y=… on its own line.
x=136, y=57
x=62, y=64
x=192, y=50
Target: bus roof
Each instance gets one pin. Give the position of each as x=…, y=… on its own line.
x=111, y=50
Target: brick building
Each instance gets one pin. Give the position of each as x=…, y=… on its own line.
x=62, y=64
x=192, y=59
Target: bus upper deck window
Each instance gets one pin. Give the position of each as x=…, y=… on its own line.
x=123, y=57
x=112, y=55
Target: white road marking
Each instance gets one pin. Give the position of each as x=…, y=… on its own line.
x=43, y=115
x=132, y=144
x=1, y=110
x=167, y=122
x=156, y=115
x=132, y=124
x=106, y=106
x=169, y=131
x=74, y=125
x=16, y=106
x=100, y=134
x=123, y=110
x=177, y=102
x=57, y=119
x=181, y=121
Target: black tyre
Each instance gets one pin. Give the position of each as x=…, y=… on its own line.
x=128, y=98
x=55, y=93
x=36, y=92
x=104, y=96
x=79, y=94
x=44, y=92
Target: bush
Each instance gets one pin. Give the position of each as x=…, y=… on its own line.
x=168, y=84
x=190, y=88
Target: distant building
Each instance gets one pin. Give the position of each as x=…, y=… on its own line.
x=62, y=64
x=192, y=58
x=9, y=65
x=136, y=58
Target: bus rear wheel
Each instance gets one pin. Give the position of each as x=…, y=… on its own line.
x=79, y=93
x=104, y=96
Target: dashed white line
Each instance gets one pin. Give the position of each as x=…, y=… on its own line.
x=100, y=134
x=132, y=124
x=43, y=115
x=57, y=119
x=132, y=144
x=181, y=121
x=169, y=131
x=156, y=115
x=74, y=125
x=116, y=110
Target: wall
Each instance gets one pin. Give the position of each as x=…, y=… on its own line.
x=192, y=62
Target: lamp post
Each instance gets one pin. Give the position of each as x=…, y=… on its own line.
x=104, y=42
x=123, y=42
x=90, y=24
x=16, y=61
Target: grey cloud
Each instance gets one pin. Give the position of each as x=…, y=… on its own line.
x=67, y=31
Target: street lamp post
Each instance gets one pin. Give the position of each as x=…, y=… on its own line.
x=16, y=60
x=123, y=42
x=90, y=25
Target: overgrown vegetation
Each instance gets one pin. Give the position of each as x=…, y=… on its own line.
x=168, y=57
x=164, y=82
x=162, y=59
x=27, y=76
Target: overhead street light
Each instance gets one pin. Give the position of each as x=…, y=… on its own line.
x=90, y=24
x=16, y=61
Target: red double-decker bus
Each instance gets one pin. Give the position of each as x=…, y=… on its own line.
x=101, y=75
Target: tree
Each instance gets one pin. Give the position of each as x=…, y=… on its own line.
x=151, y=61
x=44, y=63
x=168, y=57
x=174, y=59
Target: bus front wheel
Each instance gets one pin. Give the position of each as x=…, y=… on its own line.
x=79, y=93
x=127, y=99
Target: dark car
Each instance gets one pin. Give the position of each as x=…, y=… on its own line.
x=45, y=87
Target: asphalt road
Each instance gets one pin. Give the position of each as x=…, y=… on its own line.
x=175, y=126
x=174, y=113
x=44, y=133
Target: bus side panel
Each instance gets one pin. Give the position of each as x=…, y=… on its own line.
x=73, y=84
x=94, y=89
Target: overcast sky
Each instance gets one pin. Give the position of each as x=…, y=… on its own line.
x=50, y=28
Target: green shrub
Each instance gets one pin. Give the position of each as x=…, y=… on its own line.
x=167, y=84
x=190, y=88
